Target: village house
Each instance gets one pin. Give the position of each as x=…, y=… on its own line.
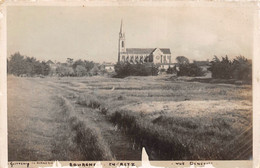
x=108, y=66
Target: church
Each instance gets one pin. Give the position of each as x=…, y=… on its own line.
x=160, y=57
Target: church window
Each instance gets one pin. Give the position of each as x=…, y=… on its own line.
x=146, y=59
x=136, y=59
x=141, y=59
x=131, y=58
x=169, y=58
x=123, y=44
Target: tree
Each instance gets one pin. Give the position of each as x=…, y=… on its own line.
x=45, y=68
x=94, y=70
x=65, y=71
x=89, y=65
x=182, y=60
x=221, y=69
x=17, y=64
x=78, y=62
x=127, y=69
x=84, y=67
x=190, y=70
x=242, y=68
x=123, y=70
x=69, y=61
x=80, y=70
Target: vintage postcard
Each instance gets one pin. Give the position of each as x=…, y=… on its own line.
x=118, y=82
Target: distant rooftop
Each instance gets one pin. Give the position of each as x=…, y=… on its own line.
x=108, y=63
x=49, y=62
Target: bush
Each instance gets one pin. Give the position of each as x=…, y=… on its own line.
x=190, y=70
x=89, y=100
x=127, y=69
x=162, y=70
x=171, y=70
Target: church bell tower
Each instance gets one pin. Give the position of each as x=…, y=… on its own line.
x=121, y=44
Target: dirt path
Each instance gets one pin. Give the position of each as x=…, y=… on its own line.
x=120, y=144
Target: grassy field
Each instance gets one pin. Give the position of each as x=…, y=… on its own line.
x=100, y=118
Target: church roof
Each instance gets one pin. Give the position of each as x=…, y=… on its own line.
x=165, y=50
x=146, y=50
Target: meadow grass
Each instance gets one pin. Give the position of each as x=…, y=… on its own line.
x=180, y=138
x=178, y=119
x=89, y=100
x=154, y=138
x=89, y=142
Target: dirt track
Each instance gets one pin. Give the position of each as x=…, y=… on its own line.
x=121, y=146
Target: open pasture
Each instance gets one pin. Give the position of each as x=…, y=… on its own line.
x=114, y=118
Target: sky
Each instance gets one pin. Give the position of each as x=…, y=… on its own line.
x=91, y=33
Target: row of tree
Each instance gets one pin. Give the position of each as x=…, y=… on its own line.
x=183, y=67
x=29, y=66
x=77, y=68
x=239, y=68
x=20, y=65
x=127, y=69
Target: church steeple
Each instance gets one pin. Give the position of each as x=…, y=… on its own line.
x=121, y=46
x=121, y=27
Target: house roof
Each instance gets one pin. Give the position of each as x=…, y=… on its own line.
x=108, y=64
x=146, y=50
x=49, y=62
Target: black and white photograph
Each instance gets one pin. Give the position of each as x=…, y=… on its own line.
x=100, y=83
